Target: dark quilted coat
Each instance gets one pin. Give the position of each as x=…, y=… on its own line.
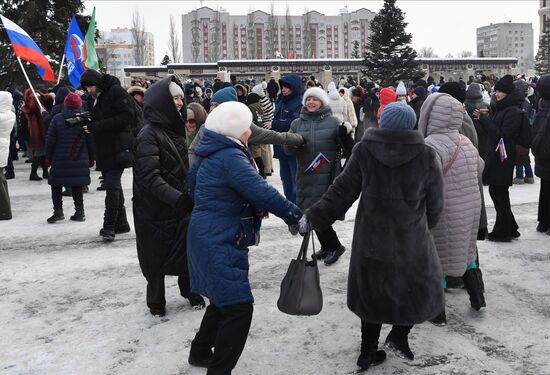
x=69, y=150
x=320, y=132
x=287, y=108
x=112, y=114
x=159, y=183
x=395, y=275
x=227, y=190
x=505, y=123
x=541, y=139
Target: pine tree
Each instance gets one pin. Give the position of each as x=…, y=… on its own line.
x=542, y=59
x=165, y=60
x=46, y=21
x=355, y=51
x=389, y=57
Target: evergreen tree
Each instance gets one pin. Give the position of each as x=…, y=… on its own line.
x=46, y=21
x=389, y=57
x=355, y=51
x=542, y=59
x=165, y=60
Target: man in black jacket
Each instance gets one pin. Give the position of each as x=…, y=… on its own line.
x=112, y=114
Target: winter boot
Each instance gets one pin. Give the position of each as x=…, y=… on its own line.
x=122, y=225
x=518, y=181
x=34, y=168
x=196, y=301
x=334, y=255
x=398, y=341
x=370, y=355
x=108, y=235
x=199, y=358
x=57, y=215
x=321, y=254
x=9, y=175
x=78, y=216
x=542, y=227
x=473, y=281
x=440, y=320
x=529, y=180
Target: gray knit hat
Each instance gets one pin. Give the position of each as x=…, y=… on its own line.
x=398, y=115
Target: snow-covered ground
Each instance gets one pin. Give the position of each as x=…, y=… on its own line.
x=70, y=304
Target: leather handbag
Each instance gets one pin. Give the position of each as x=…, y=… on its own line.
x=301, y=289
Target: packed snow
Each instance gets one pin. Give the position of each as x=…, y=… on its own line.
x=71, y=304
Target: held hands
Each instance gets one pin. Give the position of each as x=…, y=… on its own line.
x=293, y=229
x=304, y=225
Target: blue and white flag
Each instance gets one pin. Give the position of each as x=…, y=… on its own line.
x=73, y=53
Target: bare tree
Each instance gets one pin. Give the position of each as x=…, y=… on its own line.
x=195, y=37
x=464, y=54
x=138, y=33
x=174, y=40
x=270, y=32
x=306, y=35
x=215, y=36
x=426, y=52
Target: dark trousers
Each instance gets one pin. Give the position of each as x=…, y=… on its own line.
x=544, y=202
x=328, y=239
x=57, y=198
x=114, y=197
x=225, y=329
x=370, y=334
x=505, y=223
x=156, y=293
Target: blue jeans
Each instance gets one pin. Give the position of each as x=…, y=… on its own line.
x=287, y=170
x=528, y=171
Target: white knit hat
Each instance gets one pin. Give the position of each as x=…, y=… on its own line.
x=331, y=87
x=316, y=92
x=175, y=89
x=230, y=118
x=259, y=90
x=401, y=89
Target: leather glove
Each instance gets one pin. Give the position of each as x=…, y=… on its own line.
x=304, y=225
x=293, y=229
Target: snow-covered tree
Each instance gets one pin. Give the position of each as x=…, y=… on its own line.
x=542, y=59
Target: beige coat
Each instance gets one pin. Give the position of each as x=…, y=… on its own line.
x=455, y=234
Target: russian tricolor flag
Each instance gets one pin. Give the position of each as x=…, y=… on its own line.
x=501, y=148
x=25, y=48
x=317, y=163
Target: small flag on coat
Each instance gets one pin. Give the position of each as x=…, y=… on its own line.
x=317, y=163
x=501, y=148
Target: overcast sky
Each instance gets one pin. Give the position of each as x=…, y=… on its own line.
x=447, y=26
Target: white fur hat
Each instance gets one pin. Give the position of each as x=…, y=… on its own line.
x=259, y=90
x=316, y=92
x=230, y=118
x=331, y=86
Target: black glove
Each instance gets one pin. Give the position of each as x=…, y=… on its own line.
x=342, y=131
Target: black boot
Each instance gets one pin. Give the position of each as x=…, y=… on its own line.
x=57, y=215
x=473, y=281
x=34, y=168
x=122, y=225
x=398, y=340
x=334, y=255
x=440, y=320
x=542, y=228
x=78, y=216
x=199, y=359
x=196, y=301
x=110, y=216
x=321, y=254
x=370, y=355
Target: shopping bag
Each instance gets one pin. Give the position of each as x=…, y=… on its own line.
x=301, y=289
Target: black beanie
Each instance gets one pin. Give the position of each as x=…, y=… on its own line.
x=505, y=84
x=91, y=78
x=455, y=89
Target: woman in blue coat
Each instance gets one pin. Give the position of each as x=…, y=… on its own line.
x=230, y=198
x=69, y=150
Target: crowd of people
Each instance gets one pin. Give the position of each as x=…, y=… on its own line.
x=416, y=155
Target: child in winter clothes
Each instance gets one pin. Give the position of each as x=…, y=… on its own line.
x=323, y=136
x=395, y=275
x=69, y=150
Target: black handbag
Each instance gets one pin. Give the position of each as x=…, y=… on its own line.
x=301, y=289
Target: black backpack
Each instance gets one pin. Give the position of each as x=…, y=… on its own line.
x=524, y=136
x=540, y=145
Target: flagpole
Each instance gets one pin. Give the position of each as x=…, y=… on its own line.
x=29, y=82
x=60, y=69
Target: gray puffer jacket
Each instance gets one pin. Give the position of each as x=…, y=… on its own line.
x=455, y=234
x=320, y=132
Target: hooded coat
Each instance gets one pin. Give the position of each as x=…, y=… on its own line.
x=349, y=114
x=455, y=234
x=505, y=123
x=287, y=109
x=69, y=150
x=227, y=191
x=395, y=275
x=36, y=126
x=112, y=114
x=337, y=105
x=320, y=132
x=161, y=206
x=7, y=122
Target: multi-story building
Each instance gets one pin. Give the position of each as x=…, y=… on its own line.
x=508, y=40
x=117, y=49
x=544, y=13
x=210, y=35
